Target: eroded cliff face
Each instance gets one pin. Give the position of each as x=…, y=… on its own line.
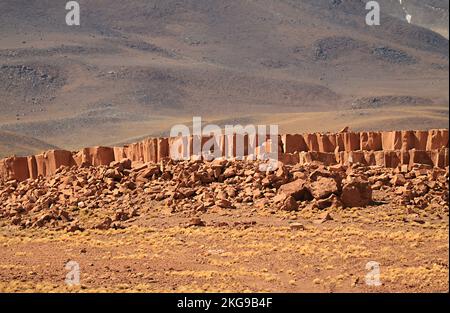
x=387, y=149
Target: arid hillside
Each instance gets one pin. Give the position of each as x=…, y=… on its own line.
x=431, y=14
x=135, y=68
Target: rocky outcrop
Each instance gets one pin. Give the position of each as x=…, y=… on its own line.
x=386, y=149
x=113, y=195
x=94, y=156
x=14, y=168
x=48, y=162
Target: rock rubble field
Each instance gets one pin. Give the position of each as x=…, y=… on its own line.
x=224, y=225
x=107, y=196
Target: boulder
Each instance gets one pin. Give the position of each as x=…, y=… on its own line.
x=289, y=158
x=323, y=187
x=297, y=189
x=289, y=204
x=356, y=193
x=398, y=180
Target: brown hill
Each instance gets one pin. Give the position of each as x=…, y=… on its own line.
x=135, y=68
x=11, y=143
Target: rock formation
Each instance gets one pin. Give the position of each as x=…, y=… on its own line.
x=387, y=149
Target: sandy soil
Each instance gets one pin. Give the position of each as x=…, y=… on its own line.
x=238, y=250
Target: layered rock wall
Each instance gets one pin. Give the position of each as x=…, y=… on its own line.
x=387, y=149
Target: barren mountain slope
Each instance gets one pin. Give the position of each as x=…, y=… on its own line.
x=431, y=14
x=16, y=144
x=135, y=68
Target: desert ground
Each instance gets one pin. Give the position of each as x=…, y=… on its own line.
x=253, y=252
x=146, y=230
